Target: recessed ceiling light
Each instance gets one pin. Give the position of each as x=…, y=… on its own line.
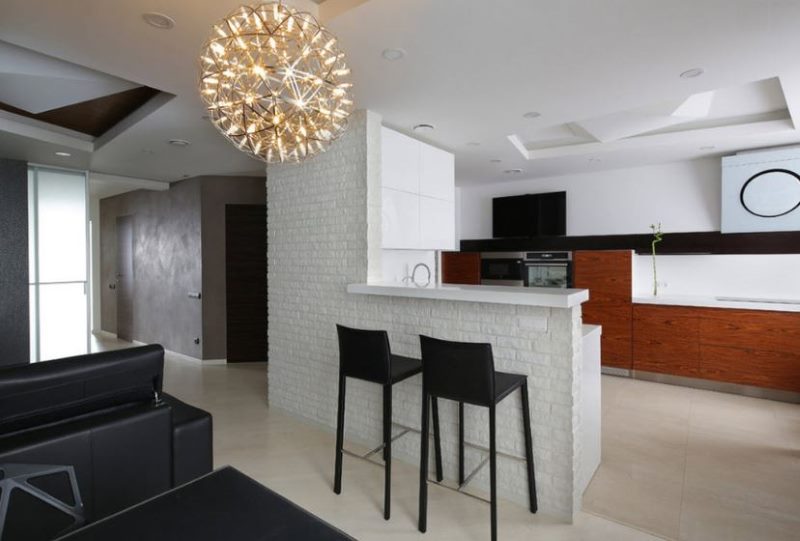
x=495, y=161
x=708, y=147
x=423, y=127
x=512, y=171
x=531, y=115
x=159, y=20
x=692, y=73
x=180, y=142
x=63, y=154
x=594, y=160
x=473, y=144
x=393, y=54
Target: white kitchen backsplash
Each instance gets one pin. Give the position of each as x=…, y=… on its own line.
x=397, y=264
x=750, y=276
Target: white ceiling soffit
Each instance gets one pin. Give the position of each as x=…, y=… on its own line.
x=102, y=185
x=37, y=83
x=702, y=118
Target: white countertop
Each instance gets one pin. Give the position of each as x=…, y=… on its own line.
x=776, y=305
x=529, y=296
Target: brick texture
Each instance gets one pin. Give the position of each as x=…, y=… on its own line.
x=324, y=233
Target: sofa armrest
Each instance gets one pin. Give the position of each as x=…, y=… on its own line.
x=192, y=447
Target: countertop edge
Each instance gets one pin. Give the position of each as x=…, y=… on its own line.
x=711, y=302
x=493, y=296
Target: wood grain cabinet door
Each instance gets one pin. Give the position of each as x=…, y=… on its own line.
x=751, y=347
x=461, y=268
x=666, y=340
x=608, y=277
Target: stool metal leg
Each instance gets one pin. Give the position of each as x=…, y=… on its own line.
x=493, y=469
x=526, y=420
x=387, y=450
x=423, y=464
x=437, y=442
x=460, y=443
x=337, y=476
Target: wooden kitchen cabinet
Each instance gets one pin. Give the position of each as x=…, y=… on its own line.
x=608, y=277
x=666, y=340
x=746, y=347
x=461, y=268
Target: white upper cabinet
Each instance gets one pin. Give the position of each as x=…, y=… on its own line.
x=401, y=221
x=399, y=161
x=437, y=226
x=437, y=173
x=418, y=191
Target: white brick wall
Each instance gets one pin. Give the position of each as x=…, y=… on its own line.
x=324, y=232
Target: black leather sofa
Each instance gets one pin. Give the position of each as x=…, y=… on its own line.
x=105, y=415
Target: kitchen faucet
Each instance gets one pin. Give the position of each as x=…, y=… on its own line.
x=413, y=277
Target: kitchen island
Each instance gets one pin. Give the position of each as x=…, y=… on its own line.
x=533, y=331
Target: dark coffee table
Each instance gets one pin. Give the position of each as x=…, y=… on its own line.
x=223, y=505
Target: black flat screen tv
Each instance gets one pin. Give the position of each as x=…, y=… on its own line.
x=530, y=215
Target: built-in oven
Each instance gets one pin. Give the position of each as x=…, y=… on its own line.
x=548, y=269
x=527, y=269
x=502, y=269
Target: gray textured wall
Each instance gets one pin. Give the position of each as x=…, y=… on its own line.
x=216, y=193
x=166, y=266
x=14, y=304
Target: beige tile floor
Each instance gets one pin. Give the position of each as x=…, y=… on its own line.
x=698, y=465
x=679, y=463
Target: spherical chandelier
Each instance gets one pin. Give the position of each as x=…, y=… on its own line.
x=275, y=83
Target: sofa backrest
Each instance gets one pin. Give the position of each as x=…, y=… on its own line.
x=46, y=392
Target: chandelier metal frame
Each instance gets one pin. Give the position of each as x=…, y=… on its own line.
x=275, y=82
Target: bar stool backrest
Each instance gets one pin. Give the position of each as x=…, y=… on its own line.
x=460, y=371
x=364, y=354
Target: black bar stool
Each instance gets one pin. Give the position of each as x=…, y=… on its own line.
x=365, y=355
x=465, y=372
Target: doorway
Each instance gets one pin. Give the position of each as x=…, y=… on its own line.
x=246, y=282
x=124, y=285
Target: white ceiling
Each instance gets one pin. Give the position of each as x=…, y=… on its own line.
x=472, y=69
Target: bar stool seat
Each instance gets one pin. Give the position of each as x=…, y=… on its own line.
x=506, y=383
x=404, y=367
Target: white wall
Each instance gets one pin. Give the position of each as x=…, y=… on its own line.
x=751, y=276
x=683, y=196
x=397, y=264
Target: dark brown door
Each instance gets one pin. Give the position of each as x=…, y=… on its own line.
x=246, y=282
x=125, y=278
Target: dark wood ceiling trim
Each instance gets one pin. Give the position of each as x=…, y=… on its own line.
x=92, y=117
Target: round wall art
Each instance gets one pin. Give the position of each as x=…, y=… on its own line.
x=771, y=193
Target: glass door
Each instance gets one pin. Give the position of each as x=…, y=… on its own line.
x=548, y=275
x=58, y=262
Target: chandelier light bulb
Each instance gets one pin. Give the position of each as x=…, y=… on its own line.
x=275, y=83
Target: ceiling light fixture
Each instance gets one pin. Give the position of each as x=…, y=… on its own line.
x=692, y=73
x=393, y=54
x=423, y=127
x=159, y=20
x=593, y=160
x=473, y=144
x=63, y=154
x=512, y=171
x=708, y=147
x=495, y=161
x=180, y=142
x=531, y=115
x=275, y=83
